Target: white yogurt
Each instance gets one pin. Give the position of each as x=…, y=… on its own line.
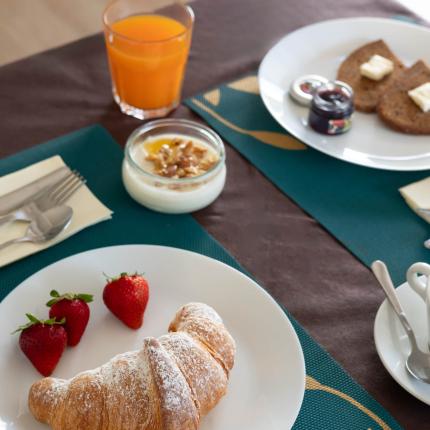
x=168, y=195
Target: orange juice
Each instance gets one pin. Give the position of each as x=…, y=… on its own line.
x=147, y=57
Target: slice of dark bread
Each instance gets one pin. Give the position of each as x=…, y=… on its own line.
x=366, y=91
x=398, y=110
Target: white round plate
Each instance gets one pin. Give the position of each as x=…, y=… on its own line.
x=267, y=382
x=319, y=49
x=392, y=343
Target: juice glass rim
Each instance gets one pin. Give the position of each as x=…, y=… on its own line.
x=188, y=27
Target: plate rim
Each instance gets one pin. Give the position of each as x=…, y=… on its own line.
x=380, y=164
x=376, y=338
x=259, y=288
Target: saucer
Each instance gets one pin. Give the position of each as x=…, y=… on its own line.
x=392, y=343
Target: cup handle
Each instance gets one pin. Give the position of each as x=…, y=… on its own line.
x=416, y=284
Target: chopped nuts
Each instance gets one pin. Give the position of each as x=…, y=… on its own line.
x=181, y=159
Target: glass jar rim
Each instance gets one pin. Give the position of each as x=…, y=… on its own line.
x=188, y=27
x=151, y=125
x=343, y=107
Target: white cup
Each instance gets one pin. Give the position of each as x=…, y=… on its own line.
x=421, y=286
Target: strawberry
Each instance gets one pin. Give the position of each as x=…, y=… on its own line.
x=74, y=308
x=43, y=342
x=126, y=297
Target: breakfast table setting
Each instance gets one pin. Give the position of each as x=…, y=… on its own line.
x=229, y=244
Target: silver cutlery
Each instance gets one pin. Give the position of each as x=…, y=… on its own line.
x=19, y=197
x=47, y=198
x=418, y=362
x=45, y=226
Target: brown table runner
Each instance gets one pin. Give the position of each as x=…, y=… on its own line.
x=331, y=294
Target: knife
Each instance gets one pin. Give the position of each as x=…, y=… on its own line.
x=23, y=195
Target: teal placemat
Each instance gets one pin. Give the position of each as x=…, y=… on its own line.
x=360, y=206
x=332, y=399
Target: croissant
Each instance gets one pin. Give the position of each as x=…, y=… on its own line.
x=169, y=384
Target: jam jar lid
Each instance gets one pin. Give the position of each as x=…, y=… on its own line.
x=333, y=99
x=303, y=88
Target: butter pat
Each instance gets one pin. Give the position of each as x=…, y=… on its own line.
x=421, y=96
x=377, y=67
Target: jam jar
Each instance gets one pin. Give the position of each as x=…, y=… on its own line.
x=331, y=109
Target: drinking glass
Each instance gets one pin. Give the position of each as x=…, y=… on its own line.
x=147, y=53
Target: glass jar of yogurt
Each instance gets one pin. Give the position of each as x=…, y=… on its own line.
x=174, y=166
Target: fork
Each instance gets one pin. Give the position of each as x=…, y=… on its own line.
x=54, y=196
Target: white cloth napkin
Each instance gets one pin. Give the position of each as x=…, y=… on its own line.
x=417, y=195
x=87, y=210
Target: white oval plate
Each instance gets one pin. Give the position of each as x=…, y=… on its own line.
x=267, y=382
x=319, y=49
x=392, y=343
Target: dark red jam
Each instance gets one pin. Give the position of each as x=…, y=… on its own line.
x=331, y=109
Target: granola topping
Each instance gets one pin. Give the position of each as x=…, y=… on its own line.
x=179, y=157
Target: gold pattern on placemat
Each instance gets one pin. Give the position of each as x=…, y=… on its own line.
x=213, y=97
x=313, y=384
x=280, y=140
x=247, y=85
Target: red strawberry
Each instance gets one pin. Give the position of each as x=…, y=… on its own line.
x=74, y=308
x=43, y=342
x=127, y=297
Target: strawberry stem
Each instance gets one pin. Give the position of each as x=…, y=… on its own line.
x=87, y=298
x=56, y=297
x=121, y=275
x=33, y=320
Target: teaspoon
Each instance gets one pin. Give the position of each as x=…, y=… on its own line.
x=45, y=226
x=418, y=362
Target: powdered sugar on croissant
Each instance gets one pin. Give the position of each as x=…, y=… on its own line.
x=167, y=385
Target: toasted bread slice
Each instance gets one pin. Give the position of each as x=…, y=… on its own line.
x=398, y=110
x=366, y=91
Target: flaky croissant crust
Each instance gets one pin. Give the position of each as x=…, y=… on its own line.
x=169, y=384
